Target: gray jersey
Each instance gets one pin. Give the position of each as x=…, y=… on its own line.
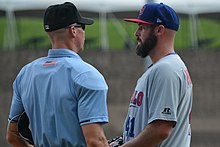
x=164, y=92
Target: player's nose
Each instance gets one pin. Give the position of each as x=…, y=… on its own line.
x=136, y=33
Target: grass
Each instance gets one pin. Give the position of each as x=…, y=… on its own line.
x=2, y=31
x=30, y=30
x=209, y=30
x=183, y=39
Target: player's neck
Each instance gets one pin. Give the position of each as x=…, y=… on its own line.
x=159, y=53
x=164, y=46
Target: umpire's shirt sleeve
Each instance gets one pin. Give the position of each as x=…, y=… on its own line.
x=91, y=90
x=16, y=104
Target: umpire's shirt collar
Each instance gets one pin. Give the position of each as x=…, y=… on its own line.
x=62, y=52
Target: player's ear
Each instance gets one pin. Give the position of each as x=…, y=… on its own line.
x=160, y=30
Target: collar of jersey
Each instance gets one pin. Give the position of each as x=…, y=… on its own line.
x=172, y=53
x=56, y=53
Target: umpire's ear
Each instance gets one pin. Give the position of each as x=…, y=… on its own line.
x=23, y=128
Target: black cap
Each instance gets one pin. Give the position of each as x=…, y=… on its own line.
x=62, y=15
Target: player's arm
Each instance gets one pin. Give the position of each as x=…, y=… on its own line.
x=94, y=135
x=153, y=134
x=13, y=136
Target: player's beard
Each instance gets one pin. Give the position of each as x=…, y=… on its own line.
x=143, y=49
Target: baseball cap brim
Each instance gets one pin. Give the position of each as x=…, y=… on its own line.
x=86, y=21
x=135, y=20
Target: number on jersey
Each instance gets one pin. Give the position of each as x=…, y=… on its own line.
x=130, y=126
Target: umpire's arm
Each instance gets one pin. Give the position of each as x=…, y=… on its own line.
x=13, y=136
x=94, y=135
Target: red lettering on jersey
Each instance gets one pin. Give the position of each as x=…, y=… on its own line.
x=140, y=98
x=133, y=99
x=137, y=98
x=189, y=81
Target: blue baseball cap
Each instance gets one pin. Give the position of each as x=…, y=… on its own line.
x=158, y=14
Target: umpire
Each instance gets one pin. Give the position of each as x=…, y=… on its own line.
x=63, y=96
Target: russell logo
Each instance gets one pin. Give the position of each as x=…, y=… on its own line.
x=166, y=111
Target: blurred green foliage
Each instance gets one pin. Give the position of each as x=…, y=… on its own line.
x=31, y=34
x=2, y=31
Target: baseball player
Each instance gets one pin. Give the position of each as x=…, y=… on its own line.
x=64, y=97
x=160, y=108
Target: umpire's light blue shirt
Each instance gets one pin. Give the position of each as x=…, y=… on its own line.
x=59, y=93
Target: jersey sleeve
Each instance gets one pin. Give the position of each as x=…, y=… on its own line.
x=16, y=104
x=164, y=95
x=91, y=90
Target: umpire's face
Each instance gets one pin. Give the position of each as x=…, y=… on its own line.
x=80, y=36
x=146, y=39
